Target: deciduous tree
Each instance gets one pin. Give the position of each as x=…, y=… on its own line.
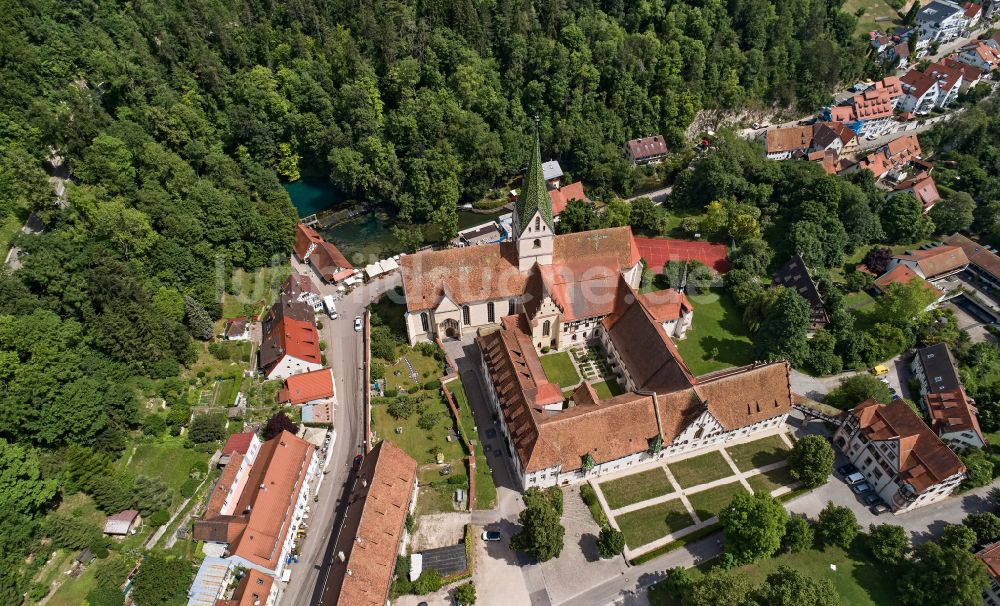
x=811, y=461
x=754, y=524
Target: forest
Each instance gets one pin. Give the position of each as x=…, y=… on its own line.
x=176, y=123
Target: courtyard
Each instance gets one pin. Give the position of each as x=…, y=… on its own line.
x=666, y=500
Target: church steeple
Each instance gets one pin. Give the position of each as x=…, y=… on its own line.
x=534, y=194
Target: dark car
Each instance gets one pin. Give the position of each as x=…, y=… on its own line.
x=861, y=488
x=846, y=470
x=357, y=462
x=871, y=499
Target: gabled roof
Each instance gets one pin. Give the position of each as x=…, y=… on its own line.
x=373, y=526
x=924, y=460
x=990, y=555
x=917, y=84
x=939, y=369
x=253, y=590
x=238, y=443
x=288, y=328
x=923, y=187
x=977, y=254
x=789, y=139
x=121, y=522
x=534, y=196
x=235, y=327
x=951, y=412
x=825, y=133
x=795, y=275
x=470, y=274
x=296, y=284
x=560, y=197
x=901, y=274
x=274, y=483
x=985, y=52
x=971, y=10
x=936, y=261
x=647, y=147
x=665, y=305
x=738, y=397
x=305, y=237
x=308, y=386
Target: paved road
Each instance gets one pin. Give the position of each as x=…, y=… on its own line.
x=658, y=196
x=344, y=356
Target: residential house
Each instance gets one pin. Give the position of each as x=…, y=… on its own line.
x=664, y=411
x=922, y=186
x=971, y=74
x=237, y=329
x=833, y=136
x=990, y=555
x=290, y=342
x=788, y=142
x=984, y=264
x=561, y=196
x=301, y=288
x=795, y=275
x=951, y=80
x=980, y=54
x=254, y=588
x=870, y=112
x=890, y=160
x=940, y=21
x=324, y=258
x=369, y=539
x=565, y=283
x=257, y=505
x=552, y=173
x=901, y=274
x=314, y=392
x=973, y=12
x=954, y=418
x=123, y=523
x=902, y=53
x=990, y=9
x=245, y=443
x=906, y=464
x=921, y=92
x=935, y=369
x=647, y=150
x=934, y=263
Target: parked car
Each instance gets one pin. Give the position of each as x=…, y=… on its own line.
x=846, y=470
x=854, y=478
x=862, y=488
x=879, y=508
x=871, y=499
x=357, y=323
x=492, y=535
x=357, y=462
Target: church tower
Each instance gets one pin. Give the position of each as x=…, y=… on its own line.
x=534, y=228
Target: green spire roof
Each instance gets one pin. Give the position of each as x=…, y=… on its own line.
x=534, y=194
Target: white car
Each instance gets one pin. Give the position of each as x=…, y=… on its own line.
x=357, y=323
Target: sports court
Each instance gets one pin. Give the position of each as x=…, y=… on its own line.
x=657, y=251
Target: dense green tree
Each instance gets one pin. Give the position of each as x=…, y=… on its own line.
x=754, y=255
x=754, y=525
x=208, y=427
x=953, y=213
x=105, y=596
x=979, y=468
x=789, y=587
x=161, y=581
x=904, y=220
x=935, y=566
x=811, y=461
x=985, y=524
x=22, y=487
x=151, y=494
x=888, y=543
x=429, y=581
x=541, y=535
x=837, y=525
x=958, y=536
x=799, y=535
x=647, y=217
x=610, y=542
x=466, y=594
x=198, y=320
x=718, y=588
x=578, y=216
x=782, y=333
x=856, y=389
x=901, y=303
x=72, y=532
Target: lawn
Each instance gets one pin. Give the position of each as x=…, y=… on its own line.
x=857, y=580
x=872, y=9
x=398, y=377
x=436, y=494
x=717, y=338
x=419, y=443
x=708, y=503
x=857, y=300
x=636, y=488
x=758, y=453
x=486, y=490
x=260, y=286
x=651, y=523
x=607, y=389
x=73, y=592
x=559, y=369
x=166, y=459
x=700, y=470
x=769, y=481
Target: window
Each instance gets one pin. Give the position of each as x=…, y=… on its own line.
x=538, y=223
x=536, y=244
x=546, y=328
x=490, y=316
x=510, y=307
x=425, y=321
x=465, y=315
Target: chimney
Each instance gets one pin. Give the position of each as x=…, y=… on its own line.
x=364, y=482
x=341, y=556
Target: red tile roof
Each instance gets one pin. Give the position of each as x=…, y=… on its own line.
x=253, y=590
x=923, y=187
x=324, y=257
x=917, y=83
x=647, y=147
x=296, y=284
x=289, y=337
x=308, y=386
x=952, y=411
x=561, y=197
x=902, y=274
x=657, y=251
x=970, y=73
x=275, y=481
x=738, y=397
x=374, y=523
x=789, y=139
x=977, y=253
x=990, y=555
x=936, y=261
x=924, y=460
x=238, y=442
x=972, y=9
x=872, y=104
x=305, y=237
x=665, y=305
x=235, y=327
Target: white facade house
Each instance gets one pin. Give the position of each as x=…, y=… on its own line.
x=940, y=21
x=905, y=463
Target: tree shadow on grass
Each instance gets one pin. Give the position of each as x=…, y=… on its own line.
x=877, y=579
x=727, y=351
x=769, y=456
